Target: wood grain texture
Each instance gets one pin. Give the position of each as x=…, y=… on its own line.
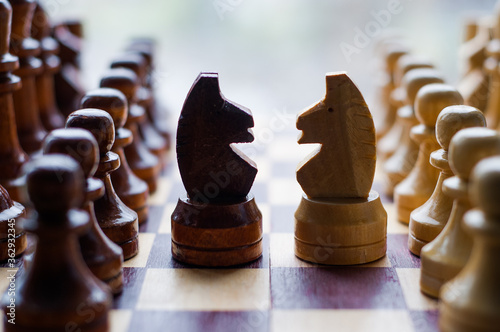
x=344, y=166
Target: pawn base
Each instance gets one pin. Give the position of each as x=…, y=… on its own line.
x=341, y=231
x=216, y=234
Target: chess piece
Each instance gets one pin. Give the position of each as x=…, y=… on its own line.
x=102, y=256
x=491, y=66
x=474, y=85
x=142, y=162
x=218, y=223
x=157, y=113
x=443, y=258
x=13, y=240
x=387, y=144
x=67, y=83
x=340, y=220
x=427, y=221
x=29, y=126
x=49, y=113
x=392, y=54
x=150, y=137
x=418, y=186
x=58, y=287
x=470, y=301
x=132, y=191
x=12, y=156
x=400, y=164
x=117, y=221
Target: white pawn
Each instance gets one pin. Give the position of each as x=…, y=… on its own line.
x=471, y=301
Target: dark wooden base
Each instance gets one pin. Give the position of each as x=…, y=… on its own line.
x=216, y=234
x=341, y=231
x=15, y=212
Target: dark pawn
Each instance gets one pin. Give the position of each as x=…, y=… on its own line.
x=68, y=87
x=144, y=164
x=103, y=257
x=49, y=112
x=219, y=223
x=29, y=126
x=12, y=156
x=132, y=191
x=12, y=237
x=150, y=136
x=157, y=114
x=117, y=221
x=58, y=285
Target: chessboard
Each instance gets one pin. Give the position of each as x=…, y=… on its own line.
x=277, y=292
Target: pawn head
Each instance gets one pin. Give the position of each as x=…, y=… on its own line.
x=432, y=98
x=485, y=186
x=469, y=146
x=55, y=184
x=415, y=79
x=122, y=79
x=110, y=100
x=98, y=122
x=455, y=118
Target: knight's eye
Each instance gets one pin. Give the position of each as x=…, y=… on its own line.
x=330, y=109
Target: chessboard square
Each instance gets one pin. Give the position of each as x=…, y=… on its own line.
x=398, y=253
x=153, y=223
x=284, y=191
x=120, y=320
x=410, y=283
x=162, y=192
x=145, y=244
x=166, y=219
x=132, y=281
x=205, y=290
x=393, y=225
x=192, y=321
x=336, y=288
x=6, y=276
x=265, y=209
x=425, y=320
x=341, y=321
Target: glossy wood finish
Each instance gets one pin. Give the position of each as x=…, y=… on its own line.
x=29, y=126
x=49, y=112
x=445, y=257
x=418, y=186
x=400, y=164
x=339, y=221
x=56, y=187
x=117, y=221
x=142, y=162
x=132, y=191
x=102, y=256
x=12, y=156
x=474, y=293
x=219, y=223
x=427, y=221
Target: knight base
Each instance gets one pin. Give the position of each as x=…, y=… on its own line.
x=341, y=231
x=216, y=234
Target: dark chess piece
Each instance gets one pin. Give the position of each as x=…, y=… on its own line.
x=151, y=138
x=68, y=87
x=29, y=126
x=117, y=221
x=13, y=240
x=12, y=156
x=58, y=285
x=40, y=30
x=156, y=112
x=132, y=191
x=144, y=164
x=218, y=223
x=103, y=257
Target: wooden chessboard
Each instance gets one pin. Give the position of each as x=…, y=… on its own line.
x=278, y=292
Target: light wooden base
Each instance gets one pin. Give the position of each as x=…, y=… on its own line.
x=216, y=234
x=341, y=231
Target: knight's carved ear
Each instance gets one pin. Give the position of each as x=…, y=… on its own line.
x=204, y=91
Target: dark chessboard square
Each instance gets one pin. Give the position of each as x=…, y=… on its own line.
x=153, y=223
x=133, y=279
x=221, y=321
x=336, y=288
x=398, y=253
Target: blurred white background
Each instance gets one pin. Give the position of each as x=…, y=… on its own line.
x=271, y=55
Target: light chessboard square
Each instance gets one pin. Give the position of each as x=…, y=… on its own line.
x=341, y=321
x=410, y=283
x=205, y=290
x=146, y=241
